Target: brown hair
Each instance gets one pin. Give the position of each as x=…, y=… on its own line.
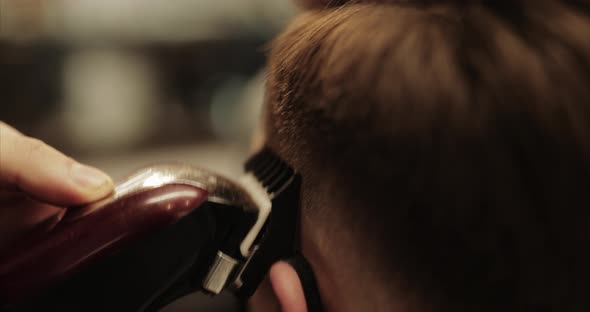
x=457, y=138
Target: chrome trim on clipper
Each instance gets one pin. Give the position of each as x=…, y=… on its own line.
x=219, y=273
x=221, y=190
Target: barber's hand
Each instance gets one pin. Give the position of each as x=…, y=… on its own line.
x=37, y=182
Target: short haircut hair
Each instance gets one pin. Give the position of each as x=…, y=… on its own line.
x=458, y=137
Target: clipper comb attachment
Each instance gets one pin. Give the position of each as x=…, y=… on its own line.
x=278, y=239
x=271, y=171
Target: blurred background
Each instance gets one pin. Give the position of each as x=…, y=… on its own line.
x=123, y=84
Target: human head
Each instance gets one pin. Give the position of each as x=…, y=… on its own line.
x=444, y=150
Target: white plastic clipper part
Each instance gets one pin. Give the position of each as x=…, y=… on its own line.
x=262, y=201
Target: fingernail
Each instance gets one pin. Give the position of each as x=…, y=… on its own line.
x=89, y=177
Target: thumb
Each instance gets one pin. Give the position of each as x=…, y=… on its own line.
x=46, y=174
x=287, y=287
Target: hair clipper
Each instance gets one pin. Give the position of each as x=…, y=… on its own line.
x=167, y=231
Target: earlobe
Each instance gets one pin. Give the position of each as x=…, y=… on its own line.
x=287, y=287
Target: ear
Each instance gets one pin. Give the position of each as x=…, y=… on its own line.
x=287, y=287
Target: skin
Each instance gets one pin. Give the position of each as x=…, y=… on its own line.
x=37, y=182
x=281, y=291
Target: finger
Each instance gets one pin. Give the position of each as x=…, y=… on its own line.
x=287, y=287
x=44, y=173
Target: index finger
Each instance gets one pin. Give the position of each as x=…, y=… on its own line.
x=45, y=173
